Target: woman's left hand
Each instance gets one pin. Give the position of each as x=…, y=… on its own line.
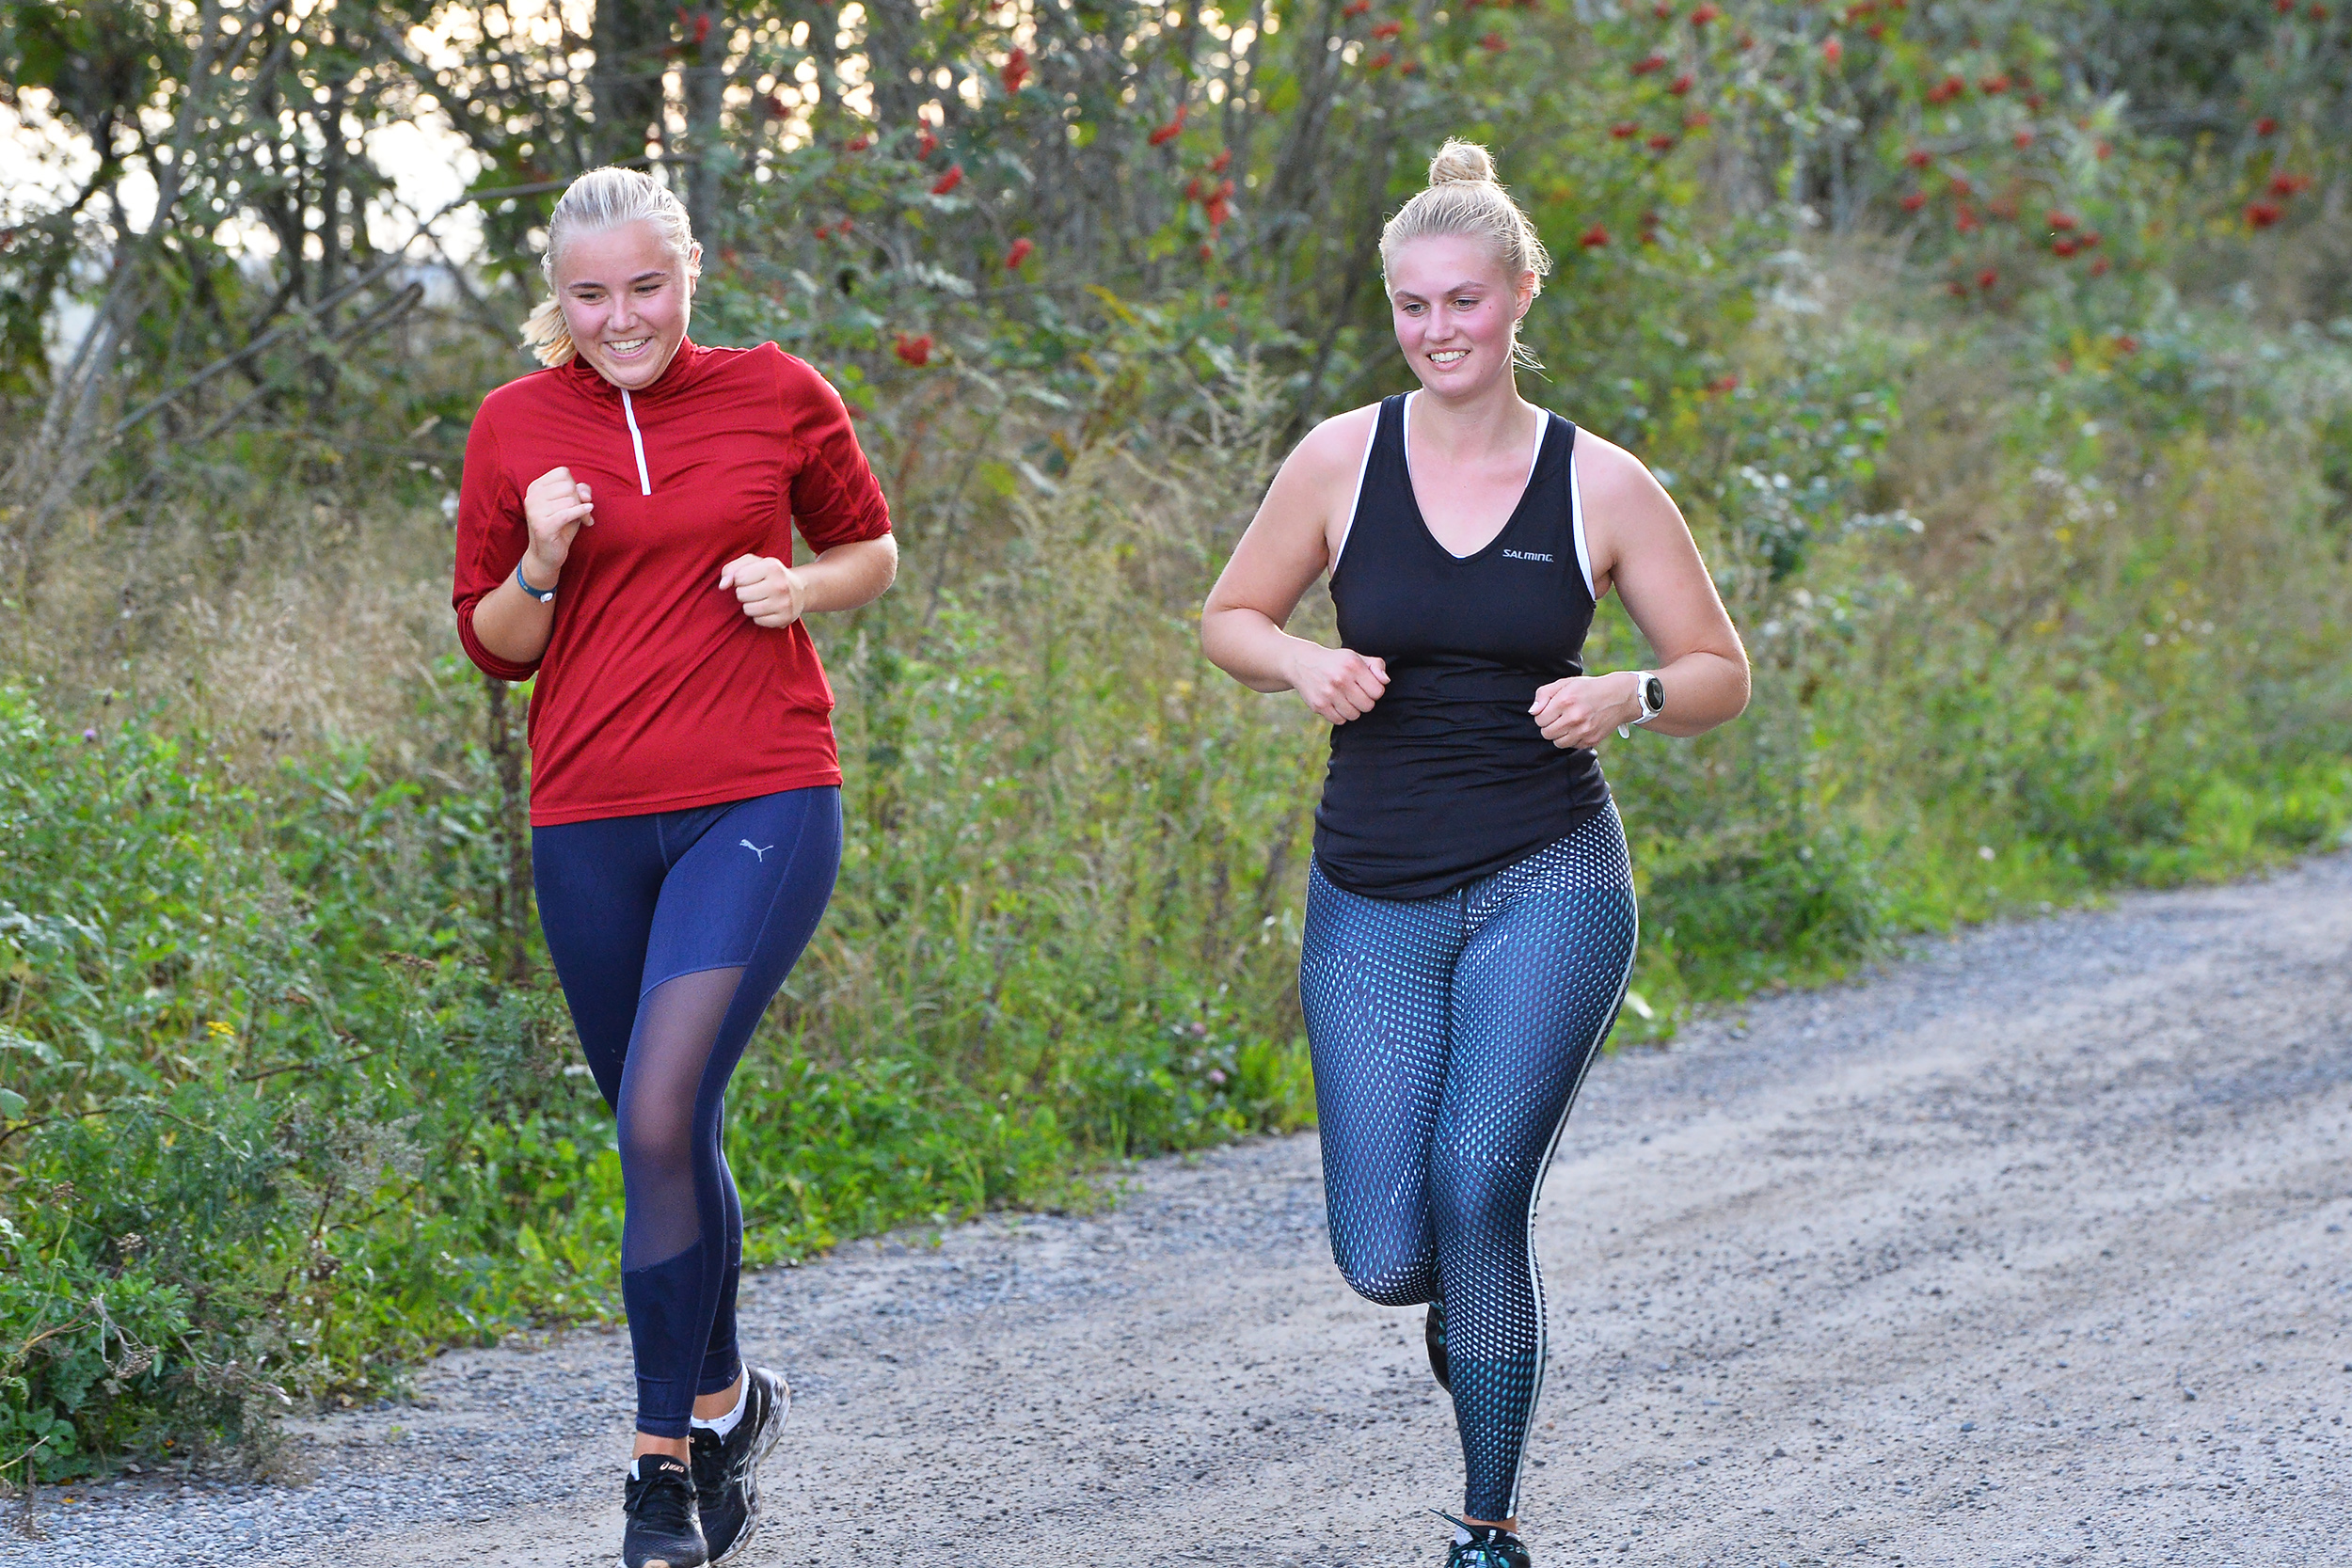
x=1576, y=713
x=771, y=593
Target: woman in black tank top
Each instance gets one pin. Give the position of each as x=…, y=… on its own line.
x=1470, y=913
x=1447, y=778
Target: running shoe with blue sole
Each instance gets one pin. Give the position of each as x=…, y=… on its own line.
x=1489, y=1546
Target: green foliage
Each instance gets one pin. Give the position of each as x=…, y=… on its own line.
x=276, y=1122
x=275, y=1127
x=287, y=1097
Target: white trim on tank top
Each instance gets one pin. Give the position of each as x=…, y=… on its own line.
x=1575, y=521
x=1543, y=427
x=1362, y=468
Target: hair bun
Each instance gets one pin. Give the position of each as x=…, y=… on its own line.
x=1459, y=163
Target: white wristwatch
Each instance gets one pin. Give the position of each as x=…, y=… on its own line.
x=1652, y=693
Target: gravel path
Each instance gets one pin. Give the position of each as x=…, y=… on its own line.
x=2034, y=1250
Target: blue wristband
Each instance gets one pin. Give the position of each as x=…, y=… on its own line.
x=545, y=596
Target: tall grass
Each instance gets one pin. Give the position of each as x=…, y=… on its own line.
x=289, y=1098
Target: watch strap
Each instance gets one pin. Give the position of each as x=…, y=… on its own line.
x=1641, y=696
x=544, y=595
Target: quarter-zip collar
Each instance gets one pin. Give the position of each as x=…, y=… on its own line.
x=684, y=369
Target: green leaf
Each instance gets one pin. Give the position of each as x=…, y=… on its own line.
x=38, y=28
x=13, y=1039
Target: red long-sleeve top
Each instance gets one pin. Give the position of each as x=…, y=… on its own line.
x=656, y=692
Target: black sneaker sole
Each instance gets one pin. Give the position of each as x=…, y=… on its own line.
x=771, y=1433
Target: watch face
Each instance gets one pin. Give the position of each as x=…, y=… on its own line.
x=1653, y=695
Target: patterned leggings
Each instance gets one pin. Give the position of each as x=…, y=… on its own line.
x=1449, y=1035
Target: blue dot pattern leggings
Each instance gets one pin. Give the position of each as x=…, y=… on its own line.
x=672, y=932
x=1449, y=1035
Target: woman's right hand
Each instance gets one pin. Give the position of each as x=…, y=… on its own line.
x=1338, y=683
x=554, y=507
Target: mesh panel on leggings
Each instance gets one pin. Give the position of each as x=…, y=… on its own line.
x=672, y=931
x=678, y=1023
x=1449, y=1037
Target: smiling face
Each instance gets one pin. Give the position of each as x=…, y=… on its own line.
x=1455, y=309
x=627, y=299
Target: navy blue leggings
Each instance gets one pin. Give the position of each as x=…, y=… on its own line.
x=671, y=933
x=1449, y=1035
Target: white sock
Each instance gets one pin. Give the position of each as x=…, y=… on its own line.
x=1461, y=1536
x=726, y=1423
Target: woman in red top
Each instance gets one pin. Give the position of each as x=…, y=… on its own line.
x=624, y=534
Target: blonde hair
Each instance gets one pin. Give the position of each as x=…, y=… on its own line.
x=599, y=200
x=1464, y=198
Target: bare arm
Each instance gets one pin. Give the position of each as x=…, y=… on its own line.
x=843, y=578
x=1641, y=545
x=512, y=624
x=1287, y=545
x=508, y=621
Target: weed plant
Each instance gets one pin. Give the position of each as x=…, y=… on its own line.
x=288, y=1099
x=287, y=1106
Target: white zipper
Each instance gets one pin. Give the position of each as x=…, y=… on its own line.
x=628, y=412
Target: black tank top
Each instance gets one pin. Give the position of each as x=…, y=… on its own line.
x=1447, y=778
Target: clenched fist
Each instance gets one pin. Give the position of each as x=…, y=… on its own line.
x=1574, y=714
x=1339, y=683
x=770, y=593
x=554, y=508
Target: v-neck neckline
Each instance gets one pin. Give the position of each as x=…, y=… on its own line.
x=1405, y=455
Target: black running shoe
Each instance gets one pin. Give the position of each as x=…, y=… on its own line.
x=1434, y=1331
x=663, y=1530
x=1487, y=1548
x=727, y=1469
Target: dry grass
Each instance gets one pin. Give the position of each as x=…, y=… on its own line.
x=278, y=652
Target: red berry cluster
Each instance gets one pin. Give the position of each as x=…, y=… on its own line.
x=2068, y=237
x=2271, y=206
x=1216, y=201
